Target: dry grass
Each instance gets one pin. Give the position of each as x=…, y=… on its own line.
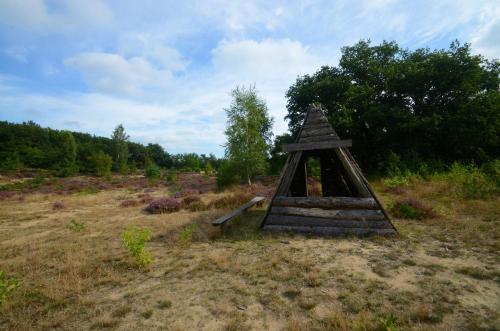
x=438, y=274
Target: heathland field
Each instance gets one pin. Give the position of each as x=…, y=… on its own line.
x=124, y=253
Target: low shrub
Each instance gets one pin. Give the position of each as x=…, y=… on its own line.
x=163, y=205
x=186, y=234
x=152, y=172
x=58, y=205
x=411, y=209
x=7, y=286
x=129, y=203
x=75, y=226
x=468, y=181
x=193, y=203
x=231, y=201
x=228, y=174
x=134, y=240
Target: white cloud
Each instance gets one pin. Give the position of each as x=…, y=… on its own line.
x=154, y=49
x=59, y=16
x=111, y=73
x=269, y=59
x=18, y=53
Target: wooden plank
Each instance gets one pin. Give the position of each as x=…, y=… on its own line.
x=353, y=174
x=316, y=145
x=326, y=202
x=287, y=177
x=341, y=214
x=318, y=138
x=316, y=132
x=328, y=230
x=317, y=125
x=324, y=222
x=238, y=211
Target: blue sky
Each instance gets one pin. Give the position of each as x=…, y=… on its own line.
x=165, y=68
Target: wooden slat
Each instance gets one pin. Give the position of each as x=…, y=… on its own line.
x=327, y=230
x=324, y=222
x=352, y=172
x=316, y=145
x=342, y=214
x=317, y=138
x=317, y=125
x=238, y=211
x=326, y=202
x=287, y=176
x=310, y=132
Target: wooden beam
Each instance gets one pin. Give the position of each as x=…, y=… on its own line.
x=323, y=222
x=316, y=145
x=326, y=202
x=341, y=214
x=238, y=211
x=327, y=230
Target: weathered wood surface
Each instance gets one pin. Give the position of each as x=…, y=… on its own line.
x=287, y=176
x=238, y=211
x=309, y=132
x=327, y=230
x=324, y=222
x=326, y=202
x=317, y=125
x=316, y=145
x=353, y=173
x=318, y=138
x=342, y=214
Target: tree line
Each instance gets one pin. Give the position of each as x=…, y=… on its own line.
x=28, y=145
x=419, y=110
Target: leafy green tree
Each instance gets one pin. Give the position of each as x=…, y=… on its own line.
x=248, y=132
x=120, y=144
x=278, y=157
x=66, y=154
x=427, y=106
x=101, y=163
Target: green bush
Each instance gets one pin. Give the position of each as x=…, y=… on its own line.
x=75, y=226
x=101, y=163
x=186, y=235
x=171, y=177
x=7, y=286
x=134, y=239
x=229, y=174
x=468, y=181
x=411, y=209
x=152, y=172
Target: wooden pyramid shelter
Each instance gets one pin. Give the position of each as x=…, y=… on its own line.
x=348, y=204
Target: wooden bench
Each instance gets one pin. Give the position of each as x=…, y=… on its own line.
x=222, y=220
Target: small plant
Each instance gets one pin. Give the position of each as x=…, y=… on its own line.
x=37, y=182
x=411, y=209
x=152, y=173
x=186, y=234
x=165, y=304
x=171, y=177
x=75, y=226
x=134, y=239
x=163, y=205
x=90, y=190
x=7, y=286
x=387, y=323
